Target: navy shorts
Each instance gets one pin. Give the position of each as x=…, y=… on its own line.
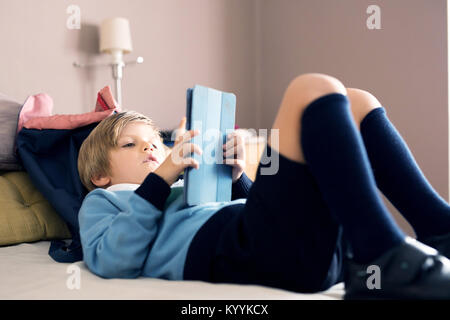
x=284, y=236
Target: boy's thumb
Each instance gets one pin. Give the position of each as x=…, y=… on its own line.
x=182, y=122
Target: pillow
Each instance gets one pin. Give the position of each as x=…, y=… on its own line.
x=9, y=117
x=48, y=151
x=25, y=215
x=37, y=112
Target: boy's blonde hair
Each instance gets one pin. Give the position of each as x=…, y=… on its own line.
x=93, y=158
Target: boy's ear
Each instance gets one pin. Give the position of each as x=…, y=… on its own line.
x=100, y=181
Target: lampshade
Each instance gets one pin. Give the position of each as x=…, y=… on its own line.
x=115, y=35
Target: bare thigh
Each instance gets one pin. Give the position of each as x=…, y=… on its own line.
x=299, y=94
x=361, y=102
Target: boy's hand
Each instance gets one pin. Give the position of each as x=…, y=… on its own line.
x=178, y=158
x=234, y=154
x=181, y=129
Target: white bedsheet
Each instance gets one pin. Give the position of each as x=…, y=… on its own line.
x=28, y=272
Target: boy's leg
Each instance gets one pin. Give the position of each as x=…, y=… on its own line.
x=396, y=172
x=326, y=131
x=334, y=152
x=299, y=94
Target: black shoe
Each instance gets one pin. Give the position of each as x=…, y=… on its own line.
x=440, y=243
x=411, y=270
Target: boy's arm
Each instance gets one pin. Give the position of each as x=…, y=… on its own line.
x=155, y=190
x=241, y=188
x=117, y=234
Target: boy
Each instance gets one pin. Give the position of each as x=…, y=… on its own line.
x=284, y=230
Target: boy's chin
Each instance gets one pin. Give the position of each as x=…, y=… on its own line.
x=150, y=170
x=151, y=165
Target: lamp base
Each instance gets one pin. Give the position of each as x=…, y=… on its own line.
x=117, y=72
x=117, y=56
x=118, y=87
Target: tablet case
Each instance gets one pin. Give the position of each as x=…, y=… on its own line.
x=212, y=112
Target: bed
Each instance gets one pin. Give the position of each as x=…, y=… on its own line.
x=28, y=272
x=28, y=224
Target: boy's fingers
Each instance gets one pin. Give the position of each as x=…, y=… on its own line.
x=237, y=151
x=229, y=144
x=182, y=124
x=194, y=148
x=179, y=135
x=191, y=162
x=240, y=147
x=181, y=130
x=228, y=161
x=186, y=136
x=233, y=139
x=234, y=161
x=197, y=149
x=189, y=134
x=189, y=148
x=180, y=156
x=229, y=152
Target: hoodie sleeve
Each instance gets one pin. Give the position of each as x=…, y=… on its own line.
x=117, y=232
x=241, y=188
x=155, y=190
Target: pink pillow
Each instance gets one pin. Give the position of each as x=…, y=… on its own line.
x=69, y=121
x=36, y=112
x=38, y=105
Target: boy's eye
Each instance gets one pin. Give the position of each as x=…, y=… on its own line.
x=131, y=144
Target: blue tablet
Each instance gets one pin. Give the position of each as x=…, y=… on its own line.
x=212, y=112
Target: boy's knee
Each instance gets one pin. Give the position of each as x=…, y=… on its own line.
x=362, y=98
x=308, y=87
x=361, y=102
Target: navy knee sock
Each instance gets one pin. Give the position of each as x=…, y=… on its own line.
x=400, y=179
x=335, y=154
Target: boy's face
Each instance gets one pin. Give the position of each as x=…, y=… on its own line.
x=139, y=151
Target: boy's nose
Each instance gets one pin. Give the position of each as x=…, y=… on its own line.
x=148, y=147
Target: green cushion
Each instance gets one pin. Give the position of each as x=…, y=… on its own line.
x=25, y=215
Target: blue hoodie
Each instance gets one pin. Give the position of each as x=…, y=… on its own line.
x=129, y=231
